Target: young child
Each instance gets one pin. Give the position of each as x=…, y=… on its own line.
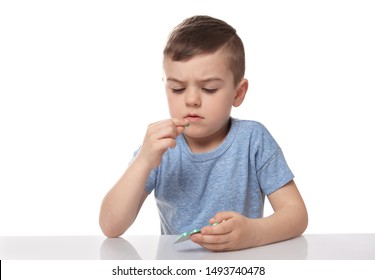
x=204, y=166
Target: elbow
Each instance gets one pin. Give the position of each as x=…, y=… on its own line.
x=111, y=232
x=110, y=229
x=303, y=223
x=306, y=222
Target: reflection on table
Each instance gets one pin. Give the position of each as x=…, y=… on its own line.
x=309, y=246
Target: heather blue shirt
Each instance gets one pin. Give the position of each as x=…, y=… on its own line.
x=190, y=188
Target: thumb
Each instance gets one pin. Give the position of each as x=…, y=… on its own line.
x=180, y=124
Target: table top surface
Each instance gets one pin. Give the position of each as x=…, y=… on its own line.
x=305, y=247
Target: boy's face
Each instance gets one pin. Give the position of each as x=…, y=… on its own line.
x=202, y=90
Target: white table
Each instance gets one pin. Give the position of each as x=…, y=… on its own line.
x=308, y=246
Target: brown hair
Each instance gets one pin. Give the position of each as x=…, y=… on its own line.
x=204, y=34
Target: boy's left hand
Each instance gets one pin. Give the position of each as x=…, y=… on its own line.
x=231, y=234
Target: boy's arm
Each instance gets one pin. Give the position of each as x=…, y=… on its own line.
x=122, y=203
x=238, y=232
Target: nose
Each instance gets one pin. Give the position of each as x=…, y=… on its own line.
x=193, y=98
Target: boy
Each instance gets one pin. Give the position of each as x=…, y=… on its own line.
x=204, y=166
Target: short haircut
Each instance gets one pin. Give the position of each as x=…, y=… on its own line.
x=203, y=35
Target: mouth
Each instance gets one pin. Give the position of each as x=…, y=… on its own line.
x=193, y=117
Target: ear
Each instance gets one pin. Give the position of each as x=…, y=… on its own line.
x=240, y=92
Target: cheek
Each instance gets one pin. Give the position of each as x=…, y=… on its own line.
x=219, y=105
x=173, y=105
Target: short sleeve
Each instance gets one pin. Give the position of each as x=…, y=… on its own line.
x=272, y=170
x=275, y=173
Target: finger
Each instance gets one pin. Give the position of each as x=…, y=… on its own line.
x=181, y=129
x=164, y=144
x=165, y=132
x=181, y=125
x=210, y=239
x=162, y=129
x=168, y=128
x=212, y=242
x=180, y=122
x=160, y=124
x=217, y=247
x=222, y=216
x=216, y=229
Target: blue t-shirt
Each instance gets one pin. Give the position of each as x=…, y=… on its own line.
x=190, y=188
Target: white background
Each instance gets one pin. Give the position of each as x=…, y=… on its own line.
x=81, y=80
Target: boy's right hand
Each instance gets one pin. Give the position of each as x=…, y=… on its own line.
x=159, y=137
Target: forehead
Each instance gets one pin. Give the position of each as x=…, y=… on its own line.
x=201, y=67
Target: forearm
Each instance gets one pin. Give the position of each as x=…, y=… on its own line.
x=284, y=224
x=122, y=203
x=289, y=219
x=239, y=232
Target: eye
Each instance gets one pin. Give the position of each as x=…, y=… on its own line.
x=178, y=90
x=209, y=90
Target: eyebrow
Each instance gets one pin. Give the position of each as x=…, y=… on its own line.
x=213, y=79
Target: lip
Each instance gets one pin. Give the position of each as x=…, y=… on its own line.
x=193, y=118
